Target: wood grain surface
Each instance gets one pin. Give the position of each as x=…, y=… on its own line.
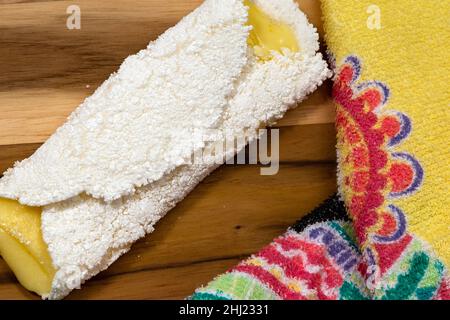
x=47, y=70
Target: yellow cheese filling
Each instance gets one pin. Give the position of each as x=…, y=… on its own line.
x=21, y=242
x=23, y=248
x=267, y=34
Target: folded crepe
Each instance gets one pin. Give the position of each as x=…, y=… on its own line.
x=392, y=238
x=123, y=158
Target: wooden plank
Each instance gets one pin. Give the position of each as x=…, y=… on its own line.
x=46, y=68
x=297, y=144
x=316, y=109
x=9, y=154
x=147, y=284
x=156, y=284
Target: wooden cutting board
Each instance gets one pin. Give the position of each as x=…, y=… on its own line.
x=47, y=70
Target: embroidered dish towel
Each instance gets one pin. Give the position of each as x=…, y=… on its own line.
x=392, y=63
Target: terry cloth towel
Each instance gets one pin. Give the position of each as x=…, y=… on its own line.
x=319, y=258
x=392, y=63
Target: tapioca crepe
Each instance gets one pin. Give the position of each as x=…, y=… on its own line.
x=120, y=162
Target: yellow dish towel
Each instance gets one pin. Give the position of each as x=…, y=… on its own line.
x=391, y=88
x=392, y=61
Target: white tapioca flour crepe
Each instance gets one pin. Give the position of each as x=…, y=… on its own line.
x=119, y=163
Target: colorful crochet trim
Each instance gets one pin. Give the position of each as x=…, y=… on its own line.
x=318, y=259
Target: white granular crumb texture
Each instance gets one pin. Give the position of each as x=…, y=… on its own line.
x=146, y=119
x=85, y=234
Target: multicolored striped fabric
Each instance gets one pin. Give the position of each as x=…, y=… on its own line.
x=318, y=258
